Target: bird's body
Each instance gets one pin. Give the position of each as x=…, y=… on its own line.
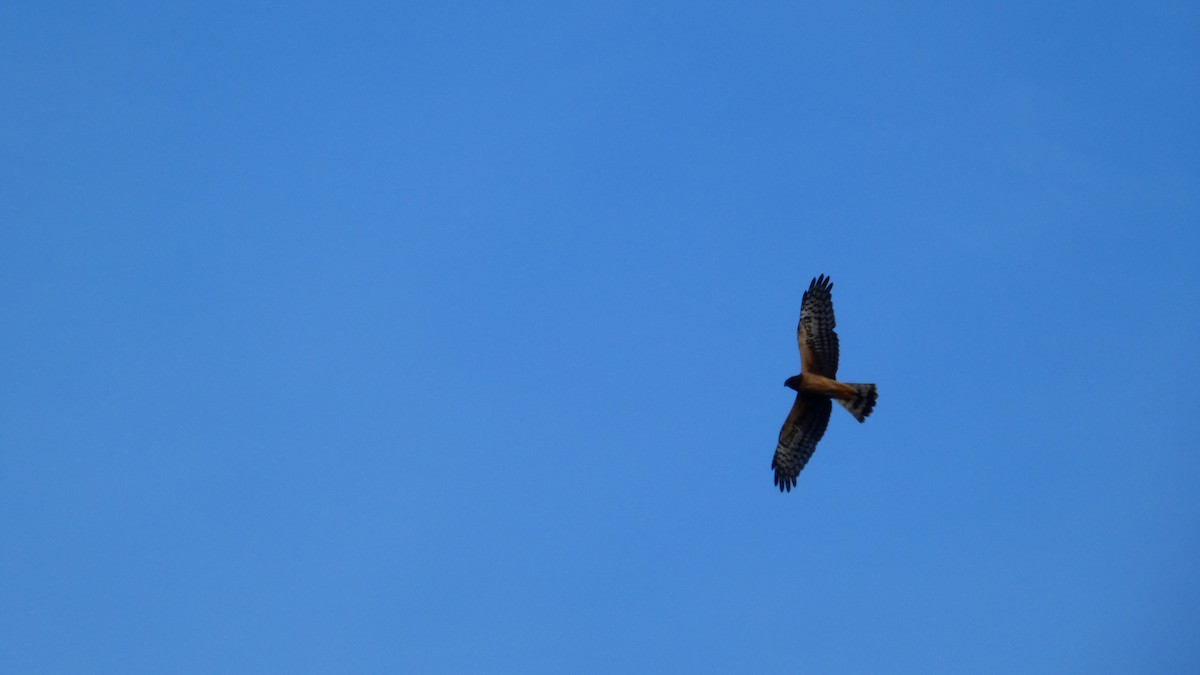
x=816, y=386
x=819, y=384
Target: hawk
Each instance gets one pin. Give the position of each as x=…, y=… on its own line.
x=815, y=386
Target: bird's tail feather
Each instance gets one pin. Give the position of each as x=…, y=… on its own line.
x=862, y=404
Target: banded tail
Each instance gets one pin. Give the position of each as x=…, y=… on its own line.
x=862, y=404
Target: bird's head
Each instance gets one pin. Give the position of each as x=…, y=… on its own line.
x=792, y=382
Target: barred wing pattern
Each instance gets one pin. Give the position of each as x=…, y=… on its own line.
x=818, y=342
x=804, y=426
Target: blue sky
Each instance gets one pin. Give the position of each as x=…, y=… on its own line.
x=450, y=337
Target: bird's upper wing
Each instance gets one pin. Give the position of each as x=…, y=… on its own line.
x=818, y=342
x=804, y=426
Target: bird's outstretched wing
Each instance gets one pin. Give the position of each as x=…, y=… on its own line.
x=814, y=333
x=804, y=426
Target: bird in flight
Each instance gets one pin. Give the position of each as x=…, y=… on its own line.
x=815, y=386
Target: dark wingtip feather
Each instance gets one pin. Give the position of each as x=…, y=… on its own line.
x=782, y=480
x=785, y=482
x=821, y=282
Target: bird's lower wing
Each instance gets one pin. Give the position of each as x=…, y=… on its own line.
x=804, y=426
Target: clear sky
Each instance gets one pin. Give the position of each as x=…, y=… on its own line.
x=450, y=337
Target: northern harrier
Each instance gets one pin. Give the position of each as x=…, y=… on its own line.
x=815, y=386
